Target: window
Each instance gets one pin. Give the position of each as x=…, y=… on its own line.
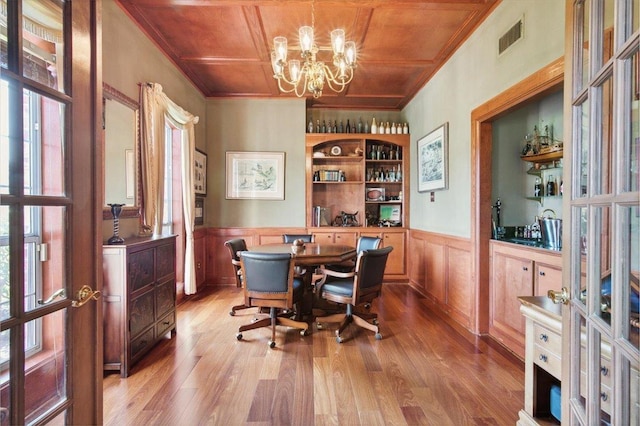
x=32, y=218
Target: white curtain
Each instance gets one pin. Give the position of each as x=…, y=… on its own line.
x=155, y=108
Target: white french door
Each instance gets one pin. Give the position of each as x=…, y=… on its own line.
x=600, y=383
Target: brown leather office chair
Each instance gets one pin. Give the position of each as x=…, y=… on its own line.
x=269, y=282
x=354, y=289
x=364, y=243
x=236, y=246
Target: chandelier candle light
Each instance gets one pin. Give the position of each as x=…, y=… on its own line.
x=311, y=74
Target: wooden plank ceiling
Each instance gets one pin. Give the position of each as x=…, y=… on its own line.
x=223, y=46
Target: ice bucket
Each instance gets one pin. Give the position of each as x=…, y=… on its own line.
x=551, y=230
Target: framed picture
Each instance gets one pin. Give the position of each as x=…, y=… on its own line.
x=255, y=175
x=199, y=213
x=433, y=161
x=200, y=172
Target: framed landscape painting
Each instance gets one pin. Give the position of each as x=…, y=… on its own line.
x=433, y=160
x=255, y=175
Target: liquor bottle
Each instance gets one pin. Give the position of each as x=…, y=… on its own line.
x=348, y=129
x=335, y=126
x=551, y=186
x=324, y=126
x=310, y=126
x=374, y=126
x=537, y=188
x=318, y=126
x=341, y=128
x=360, y=129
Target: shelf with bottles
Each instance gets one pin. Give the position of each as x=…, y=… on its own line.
x=358, y=127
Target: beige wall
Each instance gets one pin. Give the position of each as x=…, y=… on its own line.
x=474, y=75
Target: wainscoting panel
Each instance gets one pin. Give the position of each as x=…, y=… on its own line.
x=440, y=267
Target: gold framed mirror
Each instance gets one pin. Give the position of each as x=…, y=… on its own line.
x=121, y=125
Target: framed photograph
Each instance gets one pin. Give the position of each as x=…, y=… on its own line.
x=375, y=194
x=433, y=161
x=390, y=212
x=255, y=175
x=199, y=213
x=200, y=172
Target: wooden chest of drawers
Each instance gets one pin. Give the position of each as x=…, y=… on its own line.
x=139, y=299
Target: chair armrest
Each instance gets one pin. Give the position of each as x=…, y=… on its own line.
x=329, y=273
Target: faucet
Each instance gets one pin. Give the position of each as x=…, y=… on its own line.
x=497, y=206
x=495, y=224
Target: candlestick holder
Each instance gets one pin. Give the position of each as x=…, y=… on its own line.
x=116, y=209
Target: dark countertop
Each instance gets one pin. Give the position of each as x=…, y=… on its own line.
x=528, y=243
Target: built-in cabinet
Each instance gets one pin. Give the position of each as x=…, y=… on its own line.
x=543, y=364
x=139, y=296
x=360, y=174
x=364, y=175
x=544, y=168
x=518, y=271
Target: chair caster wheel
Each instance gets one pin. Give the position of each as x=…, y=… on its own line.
x=232, y=313
x=339, y=339
x=378, y=336
x=239, y=336
x=272, y=344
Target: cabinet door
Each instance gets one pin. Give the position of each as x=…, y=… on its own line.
x=395, y=262
x=345, y=238
x=512, y=277
x=547, y=278
x=323, y=237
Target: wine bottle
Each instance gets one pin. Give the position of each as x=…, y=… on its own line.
x=551, y=187
x=341, y=128
x=537, y=188
x=348, y=129
x=360, y=129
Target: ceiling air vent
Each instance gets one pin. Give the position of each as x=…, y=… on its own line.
x=512, y=35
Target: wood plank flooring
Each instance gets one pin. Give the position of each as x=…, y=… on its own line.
x=425, y=371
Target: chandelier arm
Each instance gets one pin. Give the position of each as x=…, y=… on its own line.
x=335, y=84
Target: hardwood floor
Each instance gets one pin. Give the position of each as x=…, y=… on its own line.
x=425, y=370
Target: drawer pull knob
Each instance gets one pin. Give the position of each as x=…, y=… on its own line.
x=543, y=358
x=542, y=273
x=544, y=337
x=166, y=323
x=604, y=396
x=524, y=268
x=604, y=371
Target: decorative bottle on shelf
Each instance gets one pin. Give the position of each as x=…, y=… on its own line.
x=387, y=129
x=310, y=126
x=374, y=126
x=335, y=126
x=551, y=186
x=324, y=126
x=318, y=126
x=348, y=129
x=405, y=129
x=537, y=188
x=341, y=128
x=360, y=129
x=393, y=128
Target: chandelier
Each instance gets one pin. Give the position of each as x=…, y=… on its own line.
x=310, y=74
